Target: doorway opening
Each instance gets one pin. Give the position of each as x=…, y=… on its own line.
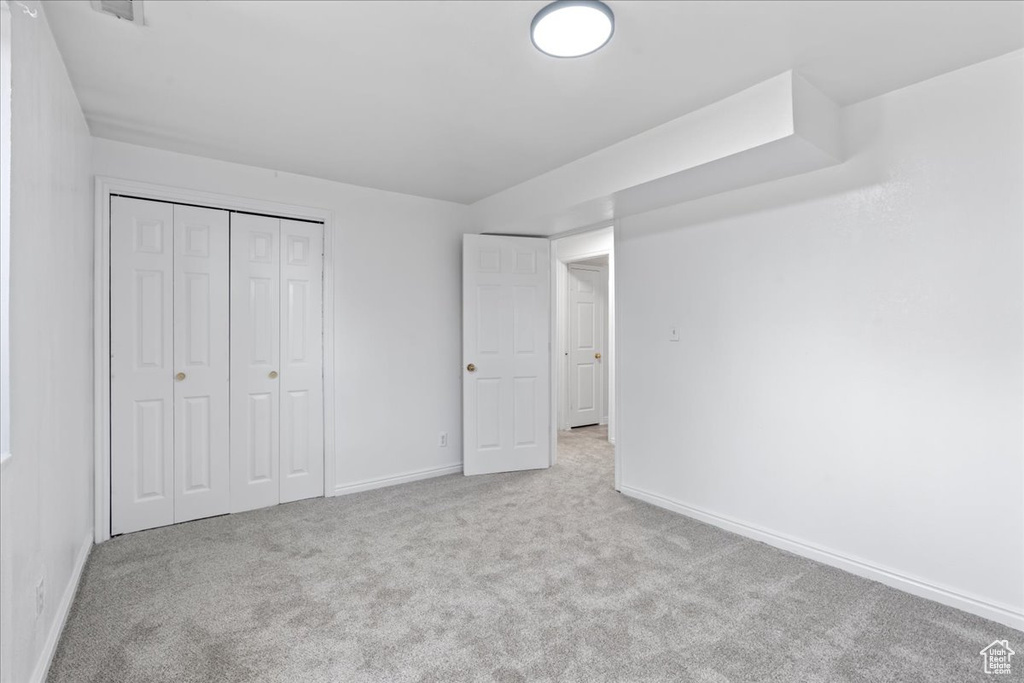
x=583, y=320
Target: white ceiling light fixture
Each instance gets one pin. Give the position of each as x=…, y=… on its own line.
x=572, y=28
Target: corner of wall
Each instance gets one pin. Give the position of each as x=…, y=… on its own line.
x=42, y=667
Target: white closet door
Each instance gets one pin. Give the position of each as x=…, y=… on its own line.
x=255, y=361
x=201, y=466
x=141, y=370
x=302, y=412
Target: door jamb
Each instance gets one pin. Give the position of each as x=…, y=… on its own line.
x=107, y=186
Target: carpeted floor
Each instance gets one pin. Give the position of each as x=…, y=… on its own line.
x=537, y=576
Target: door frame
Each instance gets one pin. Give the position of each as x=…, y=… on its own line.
x=559, y=287
x=107, y=186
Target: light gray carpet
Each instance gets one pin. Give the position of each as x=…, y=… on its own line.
x=536, y=576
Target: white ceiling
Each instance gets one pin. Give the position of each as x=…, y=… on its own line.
x=450, y=99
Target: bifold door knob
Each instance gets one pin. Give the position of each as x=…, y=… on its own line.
x=471, y=367
x=273, y=374
x=180, y=376
x=597, y=356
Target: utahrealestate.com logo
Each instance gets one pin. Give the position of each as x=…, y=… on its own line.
x=997, y=657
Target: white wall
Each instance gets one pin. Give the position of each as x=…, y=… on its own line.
x=47, y=485
x=849, y=379
x=397, y=306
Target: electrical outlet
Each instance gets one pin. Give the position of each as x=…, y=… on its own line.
x=673, y=333
x=442, y=440
x=40, y=596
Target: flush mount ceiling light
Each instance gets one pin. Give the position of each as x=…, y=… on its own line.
x=572, y=28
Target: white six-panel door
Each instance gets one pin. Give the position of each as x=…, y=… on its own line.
x=276, y=361
x=141, y=364
x=302, y=402
x=255, y=361
x=200, y=363
x=586, y=340
x=506, y=365
x=216, y=362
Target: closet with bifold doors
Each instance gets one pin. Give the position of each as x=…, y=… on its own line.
x=216, y=362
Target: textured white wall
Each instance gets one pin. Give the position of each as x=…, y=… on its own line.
x=48, y=484
x=850, y=370
x=397, y=305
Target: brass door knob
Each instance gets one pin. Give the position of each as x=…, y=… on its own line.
x=180, y=376
x=597, y=356
x=273, y=374
x=471, y=367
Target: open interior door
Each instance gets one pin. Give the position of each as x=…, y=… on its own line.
x=506, y=322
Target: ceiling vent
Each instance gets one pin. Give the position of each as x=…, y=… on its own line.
x=129, y=10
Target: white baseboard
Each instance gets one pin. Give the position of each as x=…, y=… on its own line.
x=42, y=669
x=1003, y=614
x=417, y=475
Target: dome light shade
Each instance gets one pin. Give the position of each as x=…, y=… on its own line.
x=572, y=28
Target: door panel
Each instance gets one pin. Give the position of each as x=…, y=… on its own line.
x=586, y=336
x=506, y=326
x=302, y=412
x=201, y=363
x=255, y=361
x=260, y=446
x=141, y=364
